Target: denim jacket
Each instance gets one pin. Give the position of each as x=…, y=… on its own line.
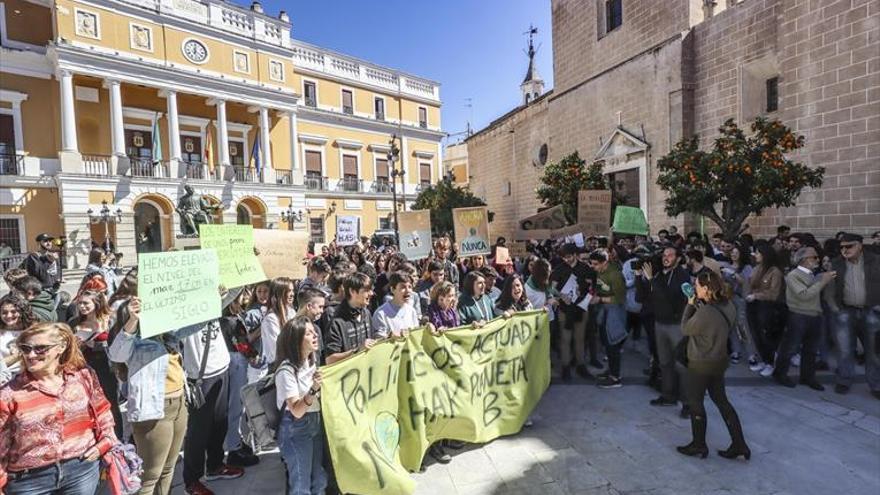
x=147, y=361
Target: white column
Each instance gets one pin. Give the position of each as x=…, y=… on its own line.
x=264, y=138
x=173, y=124
x=117, y=128
x=16, y=126
x=223, y=134
x=294, y=162
x=68, y=113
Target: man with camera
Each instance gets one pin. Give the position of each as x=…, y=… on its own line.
x=663, y=291
x=45, y=264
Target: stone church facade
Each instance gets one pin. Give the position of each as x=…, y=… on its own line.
x=632, y=77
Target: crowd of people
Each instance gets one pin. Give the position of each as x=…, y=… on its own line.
x=77, y=377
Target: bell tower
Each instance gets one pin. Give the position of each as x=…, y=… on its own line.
x=532, y=86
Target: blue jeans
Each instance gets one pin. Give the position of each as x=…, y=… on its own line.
x=70, y=477
x=611, y=320
x=802, y=335
x=302, y=448
x=852, y=323
x=237, y=374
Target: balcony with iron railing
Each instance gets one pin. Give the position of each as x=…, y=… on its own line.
x=316, y=182
x=146, y=167
x=247, y=174
x=382, y=185
x=11, y=164
x=351, y=184
x=284, y=177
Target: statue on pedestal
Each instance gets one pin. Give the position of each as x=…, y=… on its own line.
x=194, y=210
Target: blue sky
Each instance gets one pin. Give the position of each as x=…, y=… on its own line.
x=474, y=48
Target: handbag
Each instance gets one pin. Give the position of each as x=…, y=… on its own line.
x=121, y=467
x=193, y=393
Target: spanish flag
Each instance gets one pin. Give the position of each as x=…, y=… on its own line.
x=209, y=151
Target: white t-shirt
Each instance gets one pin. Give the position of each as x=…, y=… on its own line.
x=296, y=384
x=390, y=318
x=194, y=345
x=270, y=328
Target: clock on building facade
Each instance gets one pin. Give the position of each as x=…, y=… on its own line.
x=195, y=51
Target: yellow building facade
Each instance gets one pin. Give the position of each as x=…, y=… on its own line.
x=116, y=105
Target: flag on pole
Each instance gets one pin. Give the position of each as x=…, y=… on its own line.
x=157, y=141
x=209, y=151
x=255, y=156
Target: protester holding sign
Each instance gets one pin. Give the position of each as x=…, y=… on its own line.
x=281, y=299
x=611, y=316
x=572, y=279
x=297, y=386
x=157, y=414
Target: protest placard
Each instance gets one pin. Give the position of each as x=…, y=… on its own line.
x=541, y=225
x=594, y=212
x=472, y=230
x=415, y=233
x=629, y=220
x=502, y=255
x=234, y=245
x=517, y=249
x=347, y=230
x=473, y=385
x=282, y=252
x=177, y=289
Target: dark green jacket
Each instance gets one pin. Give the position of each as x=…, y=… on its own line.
x=471, y=310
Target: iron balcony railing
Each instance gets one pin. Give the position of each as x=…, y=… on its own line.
x=247, y=174
x=11, y=164
x=351, y=184
x=317, y=183
x=146, y=167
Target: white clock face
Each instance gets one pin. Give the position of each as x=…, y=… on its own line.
x=195, y=51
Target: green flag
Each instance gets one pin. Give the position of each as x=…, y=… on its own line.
x=382, y=409
x=157, y=141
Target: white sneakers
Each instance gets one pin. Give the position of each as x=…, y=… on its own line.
x=756, y=367
x=767, y=371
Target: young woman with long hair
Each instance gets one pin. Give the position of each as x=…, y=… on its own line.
x=738, y=275
x=513, y=297
x=281, y=296
x=15, y=317
x=706, y=321
x=474, y=305
x=298, y=383
x=766, y=289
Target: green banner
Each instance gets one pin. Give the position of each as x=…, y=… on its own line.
x=382, y=409
x=629, y=220
x=235, y=251
x=177, y=288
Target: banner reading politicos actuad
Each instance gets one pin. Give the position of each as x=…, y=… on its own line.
x=382, y=409
x=472, y=230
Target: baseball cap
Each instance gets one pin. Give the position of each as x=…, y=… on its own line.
x=44, y=237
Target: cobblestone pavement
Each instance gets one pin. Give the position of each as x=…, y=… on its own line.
x=591, y=441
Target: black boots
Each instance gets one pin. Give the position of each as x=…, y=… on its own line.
x=697, y=447
x=738, y=445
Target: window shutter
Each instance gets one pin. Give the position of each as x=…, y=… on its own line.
x=349, y=165
x=425, y=173
x=382, y=169
x=313, y=161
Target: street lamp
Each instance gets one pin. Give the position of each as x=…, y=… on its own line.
x=291, y=217
x=106, y=217
x=393, y=157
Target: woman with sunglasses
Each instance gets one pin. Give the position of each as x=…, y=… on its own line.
x=42, y=451
x=15, y=317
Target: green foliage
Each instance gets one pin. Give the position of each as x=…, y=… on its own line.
x=742, y=174
x=563, y=179
x=441, y=198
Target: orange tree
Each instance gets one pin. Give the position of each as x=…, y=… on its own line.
x=441, y=198
x=740, y=176
x=563, y=179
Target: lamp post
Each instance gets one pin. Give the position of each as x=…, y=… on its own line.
x=106, y=217
x=393, y=157
x=291, y=217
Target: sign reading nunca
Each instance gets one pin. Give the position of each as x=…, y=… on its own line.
x=472, y=230
x=382, y=409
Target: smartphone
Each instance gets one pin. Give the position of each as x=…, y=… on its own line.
x=688, y=290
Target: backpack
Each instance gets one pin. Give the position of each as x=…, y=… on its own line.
x=261, y=413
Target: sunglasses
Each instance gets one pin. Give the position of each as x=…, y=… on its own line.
x=39, y=350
